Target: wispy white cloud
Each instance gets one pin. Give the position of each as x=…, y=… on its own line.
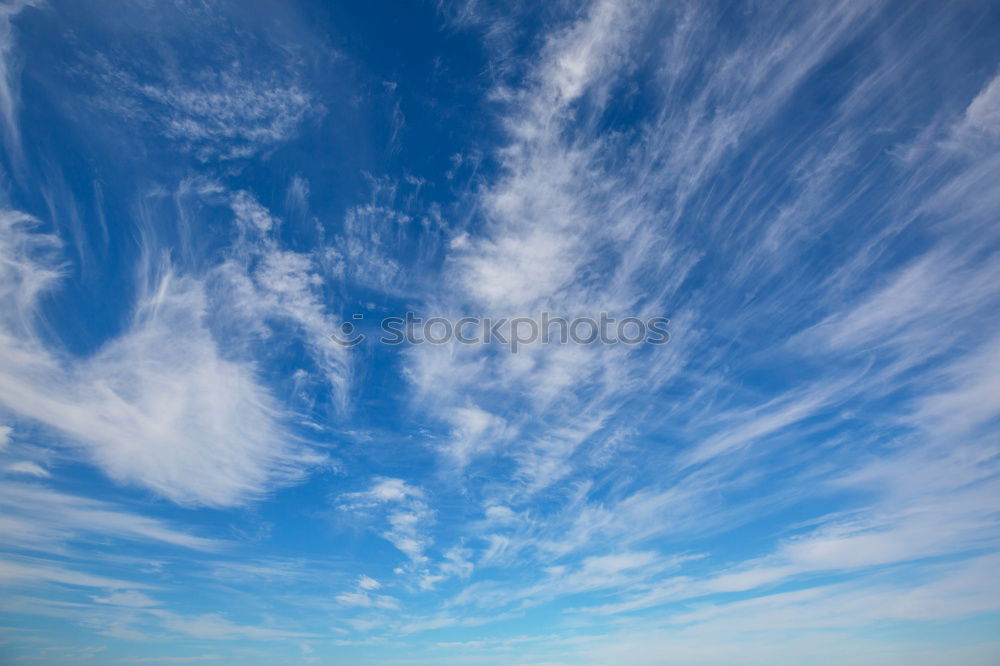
x=405, y=511
x=364, y=596
x=825, y=620
x=27, y=467
x=159, y=406
x=41, y=518
x=213, y=626
x=9, y=73
x=22, y=571
x=216, y=115
x=264, y=283
x=808, y=458
x=127, y=598
x=981, y=121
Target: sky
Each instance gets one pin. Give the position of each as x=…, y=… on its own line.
x=198, y=199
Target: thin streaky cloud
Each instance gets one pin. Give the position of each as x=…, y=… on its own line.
x=200, y=202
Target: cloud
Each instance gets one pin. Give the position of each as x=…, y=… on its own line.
x=965, y=399
x=159, y=406
x=126, y=598
x=473, y=431
x=799, y=621
x=368, y=583
x=930, y=501
x=363, y=596
x=981, y=121
x=30, y=571
x=297, y=196
x=41, y=518
x=406, y=513
x=763, y=421
x=30, y=267
x=810, y=456
x=541, y=246
x=249, y=213
x=222, y=114
x=27, y=467
x=9, y=72
x=362, y=599
x=174, y=660
x=213, y=626
x=286, y=286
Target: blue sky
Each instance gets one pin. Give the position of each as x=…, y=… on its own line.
x=194, y=196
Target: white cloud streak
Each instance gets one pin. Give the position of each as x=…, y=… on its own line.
x=159, y=406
